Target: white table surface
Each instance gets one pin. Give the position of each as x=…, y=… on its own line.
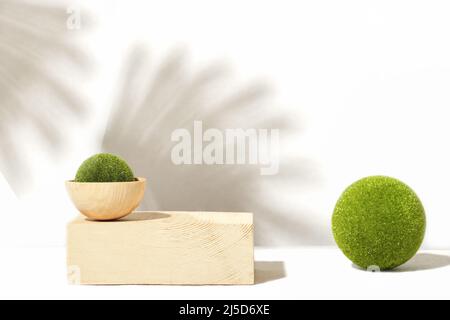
x=283, y=273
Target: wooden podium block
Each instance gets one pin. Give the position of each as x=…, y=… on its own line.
x=186, y=248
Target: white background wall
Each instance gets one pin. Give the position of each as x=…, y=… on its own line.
x=368, y=82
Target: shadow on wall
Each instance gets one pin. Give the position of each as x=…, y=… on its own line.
x=155, y=100
x=37, y=50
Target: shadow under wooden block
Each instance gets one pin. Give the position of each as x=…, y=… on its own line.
x=266, y=271
x=187, y=248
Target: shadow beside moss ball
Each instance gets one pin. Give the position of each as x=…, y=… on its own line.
x=104, y=167
x=379, y=222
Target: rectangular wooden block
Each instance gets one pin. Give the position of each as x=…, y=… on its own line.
x=190, y=248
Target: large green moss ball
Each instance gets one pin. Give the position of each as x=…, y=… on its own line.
x=379, y=222
x=104, y=167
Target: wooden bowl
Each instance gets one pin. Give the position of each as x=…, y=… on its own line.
x=106, y=200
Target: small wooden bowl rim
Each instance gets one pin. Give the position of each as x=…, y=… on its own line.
x=139, y=180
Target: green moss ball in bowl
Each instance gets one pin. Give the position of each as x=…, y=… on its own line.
x=105, y=188
x=379, y=222
x=104, y=167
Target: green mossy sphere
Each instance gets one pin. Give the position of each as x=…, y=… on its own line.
x=104, y=167
x=379, y=222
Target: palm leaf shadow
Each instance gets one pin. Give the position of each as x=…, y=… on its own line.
x=34, y=95
x=155, y=101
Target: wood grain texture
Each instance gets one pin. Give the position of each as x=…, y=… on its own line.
x=106, y=200
x=188, y=248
